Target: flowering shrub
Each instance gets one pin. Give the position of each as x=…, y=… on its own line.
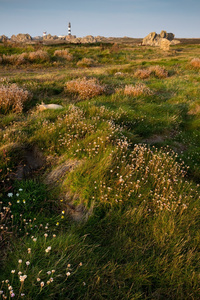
x=12, y=98
x=137, y=90
x=195, y=62
x=85, y=88
x=156, y=71
x=85, y=62
x=64, y=53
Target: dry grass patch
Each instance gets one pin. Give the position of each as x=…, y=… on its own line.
x=143, y=73
x=156, y=71
x=195, y=62
x=137, y=90
x=13, y=98
x=85, y=88
x=86, y=62
x=64, y=54
x=39, y=55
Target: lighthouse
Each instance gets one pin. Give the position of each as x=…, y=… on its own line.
x=69, y=28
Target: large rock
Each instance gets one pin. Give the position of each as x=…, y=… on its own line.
x=162, y=40
x=50, y=37
x=165, y=44
x=21, y=37
x=3, y=38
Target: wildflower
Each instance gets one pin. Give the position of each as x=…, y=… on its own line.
x=62, y=217
x=27, y=263
x=20, y=190
x=17, y=194
x=51, y=279
x=29, y=250
x=68, y=273
x=63, y=212
x=10, y=195
x=42, y=284
x=45, y=235
x=22, y=294
x=38, y=279
x=1, y=292
x=48, y=282
x=48, y=272
x=24, y=201
x=68, y=265
x=20, y=261
x=80, y=264
x=18, y=201
x=22, y=277
x=57, y=223
x=12, y=295
x=19, y=273
x=13, y=271
x=53, y=271
x=35, y=239
x=54, y=235
x=48, y=249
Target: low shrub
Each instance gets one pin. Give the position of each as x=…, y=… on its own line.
x=39, y=55
x=137, y=90
x=13, y=98
x=85, y=62
x=64, y=54
x=157, y=71
x=10, y=59
x=143, y=73
x=85, y=88
x=19, y=59
x=195, y=62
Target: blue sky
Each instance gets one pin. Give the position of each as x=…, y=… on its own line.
x=116, y=18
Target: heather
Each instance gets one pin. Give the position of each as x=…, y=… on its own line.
x=99, y=199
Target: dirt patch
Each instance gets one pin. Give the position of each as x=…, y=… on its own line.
x=31, y=161
x=155, y=139
x=56, y=175
x=77, y=212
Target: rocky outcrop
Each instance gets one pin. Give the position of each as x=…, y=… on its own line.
x=50, y=37
x=162, y=40
x=165, y=44
x=3, y=38
x=21, y=38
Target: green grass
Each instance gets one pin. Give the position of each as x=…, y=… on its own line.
x=123, y=223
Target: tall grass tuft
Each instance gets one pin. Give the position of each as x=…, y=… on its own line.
x=64, y=54
x=157, y=71
x=39, y=55
x=13, y=98
x=137, y=90
x=85, y=88
x=85, y=62
x=195, y=62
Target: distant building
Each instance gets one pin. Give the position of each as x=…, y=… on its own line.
x=44, y=33
x=69, y=28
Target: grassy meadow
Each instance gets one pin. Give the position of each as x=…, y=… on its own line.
x=99, y=198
